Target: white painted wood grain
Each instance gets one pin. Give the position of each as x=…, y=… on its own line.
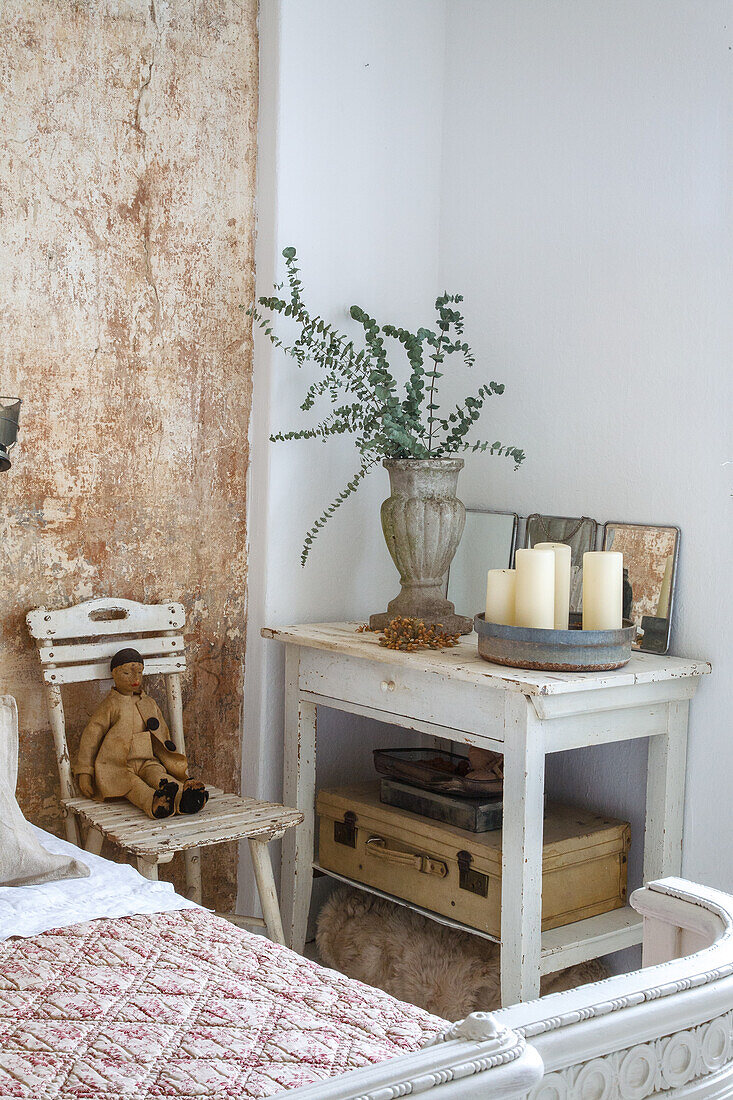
x=404, y=693
x=262, y=866
x=94, y=652
x=521, y=864
x=405, y=721
x=99, y=670
x=665, y=796
x=299, y=790
x=463, y=663
x=97, y=618
x=454, y=696
x=225, y=817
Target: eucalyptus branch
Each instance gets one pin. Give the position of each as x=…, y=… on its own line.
x=350, y=487
x=385, y=423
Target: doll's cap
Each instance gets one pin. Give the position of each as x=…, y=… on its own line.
x=125, y=657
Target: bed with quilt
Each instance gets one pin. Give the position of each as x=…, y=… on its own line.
x=113, y=987
x=174, y=1002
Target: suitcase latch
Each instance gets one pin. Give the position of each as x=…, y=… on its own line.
x=474, y=881
x=344, y=832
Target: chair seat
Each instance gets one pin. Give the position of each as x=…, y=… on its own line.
x=224, y=817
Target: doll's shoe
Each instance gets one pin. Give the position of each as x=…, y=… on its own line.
x=194, y=797
x=164, y=799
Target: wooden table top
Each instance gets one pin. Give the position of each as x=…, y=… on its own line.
x=462, y=662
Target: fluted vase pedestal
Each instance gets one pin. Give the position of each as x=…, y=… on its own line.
x=423, y=522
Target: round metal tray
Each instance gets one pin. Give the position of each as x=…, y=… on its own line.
x=573, y=650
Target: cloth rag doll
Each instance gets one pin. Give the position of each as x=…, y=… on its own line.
x=126, y=750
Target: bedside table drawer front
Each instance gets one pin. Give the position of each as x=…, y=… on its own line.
x=399, y=691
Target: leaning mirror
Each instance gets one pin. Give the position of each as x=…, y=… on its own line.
x=488, y=542
x=650, y=567
x=580, y=535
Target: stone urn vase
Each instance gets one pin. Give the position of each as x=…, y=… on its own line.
x=423, y=522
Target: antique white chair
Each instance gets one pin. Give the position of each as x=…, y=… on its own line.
x=75, y=646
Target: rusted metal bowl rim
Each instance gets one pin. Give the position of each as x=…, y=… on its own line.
x=574, y=637
x=572, y=650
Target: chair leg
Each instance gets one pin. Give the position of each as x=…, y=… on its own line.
x=72, y=828
x=192, y=857
x=266, y=888
x=94, y=841
x=147, y=869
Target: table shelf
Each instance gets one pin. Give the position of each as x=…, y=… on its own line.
x=561, y=947
x=453, y=695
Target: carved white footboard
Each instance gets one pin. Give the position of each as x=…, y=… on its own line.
x=664, y=1030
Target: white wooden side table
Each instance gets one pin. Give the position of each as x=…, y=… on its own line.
x=454, y=695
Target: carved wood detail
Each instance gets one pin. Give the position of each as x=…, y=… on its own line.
x=645, y=1069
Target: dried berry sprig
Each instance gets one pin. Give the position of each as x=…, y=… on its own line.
x=412, y=634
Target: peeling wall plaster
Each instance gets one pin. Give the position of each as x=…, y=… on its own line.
x=127, y=170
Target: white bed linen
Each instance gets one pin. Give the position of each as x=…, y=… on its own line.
x=112, y=890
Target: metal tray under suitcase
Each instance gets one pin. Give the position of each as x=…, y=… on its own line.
x=457, y=873
x=435, y=770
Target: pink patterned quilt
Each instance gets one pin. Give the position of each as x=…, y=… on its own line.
x=183, y=1005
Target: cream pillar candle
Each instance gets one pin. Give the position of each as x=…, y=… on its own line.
x=562, y=581
x=603, y=586
x=501, y=590
x=535, y=600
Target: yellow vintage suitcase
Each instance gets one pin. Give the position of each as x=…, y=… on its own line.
x=457, y=873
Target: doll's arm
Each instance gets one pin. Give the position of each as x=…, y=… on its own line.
x=92, y=737
x=162, y=733
x=157, y=724
x=162, y=736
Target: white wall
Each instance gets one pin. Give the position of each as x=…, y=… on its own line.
x=586, y=218
x=350, y=161
x=563, y=166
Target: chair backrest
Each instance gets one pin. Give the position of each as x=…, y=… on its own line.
x=75, y=646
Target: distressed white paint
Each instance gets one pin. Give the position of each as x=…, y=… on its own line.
x=226, y=817
x=521, y=852
x=662, y=1031
x=353, y=668
x=558, y=1045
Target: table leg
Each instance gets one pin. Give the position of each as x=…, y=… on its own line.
x=665, y=796
x=296, y=874
x=521, y=884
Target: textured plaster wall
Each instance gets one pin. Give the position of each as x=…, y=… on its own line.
x=127, y=167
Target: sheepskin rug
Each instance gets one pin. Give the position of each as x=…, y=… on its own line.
x=446, y=972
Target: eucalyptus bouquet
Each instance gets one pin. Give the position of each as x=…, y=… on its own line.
x=368, y=404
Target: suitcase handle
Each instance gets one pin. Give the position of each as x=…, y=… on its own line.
x=377, y=846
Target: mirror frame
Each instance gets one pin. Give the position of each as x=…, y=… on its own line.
x=653, y=526
x=512, y=546
x=570, y=519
